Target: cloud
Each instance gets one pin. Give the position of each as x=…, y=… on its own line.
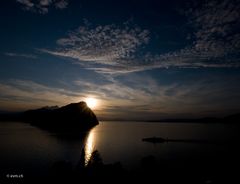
x=109, y=44
x=141, y=94
x=111, y=49
x=61, y=4
x=11, y=54
x=42, y=6
x=185, y=58
x=216, y=25
x=24, y=94
x=137, y=95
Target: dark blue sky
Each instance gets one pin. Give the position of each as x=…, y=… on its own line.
x=140, y=59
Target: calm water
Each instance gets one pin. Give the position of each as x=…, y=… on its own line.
x=31, y=151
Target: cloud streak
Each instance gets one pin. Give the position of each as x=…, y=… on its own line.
x=22, y=94
x=136, y=95
x=11, y=54
x=42, y=6
x=143, y=94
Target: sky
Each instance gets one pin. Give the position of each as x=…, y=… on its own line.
x=143, y=60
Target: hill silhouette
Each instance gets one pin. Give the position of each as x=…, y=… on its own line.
x=74, y=117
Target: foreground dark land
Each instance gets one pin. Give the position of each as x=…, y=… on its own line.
x=189, y=171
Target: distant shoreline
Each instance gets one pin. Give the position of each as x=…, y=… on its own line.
x=235, y=118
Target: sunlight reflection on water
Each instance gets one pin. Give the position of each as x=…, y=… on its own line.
x=89, y=147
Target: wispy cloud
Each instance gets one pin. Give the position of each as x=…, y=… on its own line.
x=117, y=49
x=28, y=94
x=11, y=54
x=109, y=44
x=42, y=6
x=138, y=96
x=144, y=95
x=216, y=26
x=185, y=58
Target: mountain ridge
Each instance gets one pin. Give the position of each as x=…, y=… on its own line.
x=74, y=116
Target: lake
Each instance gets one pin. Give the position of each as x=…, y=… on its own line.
x=210, y=149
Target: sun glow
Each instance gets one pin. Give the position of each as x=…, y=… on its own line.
x=91, y=102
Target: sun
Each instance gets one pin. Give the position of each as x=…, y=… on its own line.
x=91, y=102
